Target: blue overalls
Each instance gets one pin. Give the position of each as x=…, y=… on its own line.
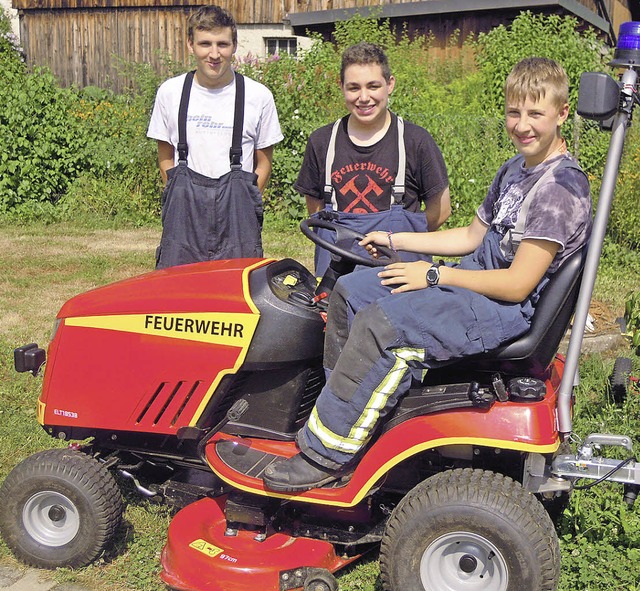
x=394, y=219
x=376, y=340
x=204, y=218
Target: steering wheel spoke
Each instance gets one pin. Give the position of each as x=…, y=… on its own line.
x=346, y=242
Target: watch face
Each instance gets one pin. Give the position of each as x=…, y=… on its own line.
x=433, y=276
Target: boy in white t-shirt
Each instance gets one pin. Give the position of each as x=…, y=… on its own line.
x=196, y=231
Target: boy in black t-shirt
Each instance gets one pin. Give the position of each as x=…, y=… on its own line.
x=352, y=166
x=383, y=325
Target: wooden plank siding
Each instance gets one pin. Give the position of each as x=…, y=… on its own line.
x=79, y=45
x=77, y=39
x=258, y=11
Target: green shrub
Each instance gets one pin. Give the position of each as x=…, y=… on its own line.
x=114, y=128
x=11, y=53
x=42, y=147
x=91, y=145
x=110, y=197
x=624, y=221
x=540, y=35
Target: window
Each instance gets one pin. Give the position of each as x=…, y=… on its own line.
x=281, y=45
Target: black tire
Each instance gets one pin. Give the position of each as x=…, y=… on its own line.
x=320, y=581
x=619, y=379
x=469, y=529
x=60, y=508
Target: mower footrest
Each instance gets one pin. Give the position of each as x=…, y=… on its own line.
x=430, y=399
x=251, y=462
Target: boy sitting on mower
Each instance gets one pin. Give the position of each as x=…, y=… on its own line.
x=385, y=325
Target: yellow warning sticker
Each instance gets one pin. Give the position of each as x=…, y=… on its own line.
x=208, y=549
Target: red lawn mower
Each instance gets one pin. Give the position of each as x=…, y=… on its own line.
x=193, y=379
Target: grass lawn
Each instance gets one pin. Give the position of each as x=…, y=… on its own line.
x=43, y=266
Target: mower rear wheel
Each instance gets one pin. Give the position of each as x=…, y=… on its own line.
x=469, y=530
x=60, y=508
x=620, y=378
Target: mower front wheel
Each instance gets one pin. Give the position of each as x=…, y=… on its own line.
x=60, y=508
x=465, y=530
x=320, y=580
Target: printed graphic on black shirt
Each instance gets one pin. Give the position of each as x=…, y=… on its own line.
x=363, y=176
x=363, y=187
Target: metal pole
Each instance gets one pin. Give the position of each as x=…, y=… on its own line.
x=595, y=250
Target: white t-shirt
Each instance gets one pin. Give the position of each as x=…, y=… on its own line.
x=210, y=123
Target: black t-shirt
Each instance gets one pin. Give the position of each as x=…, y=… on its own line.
x=363, y=176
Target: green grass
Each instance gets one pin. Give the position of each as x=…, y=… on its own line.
x=42, y=266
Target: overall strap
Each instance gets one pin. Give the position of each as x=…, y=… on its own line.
x=328, y=192
x=512, y=239
x=235, y=152
x=397, y=192
x=182, y=117
x=398, y=189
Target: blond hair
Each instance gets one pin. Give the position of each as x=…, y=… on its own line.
x=536, y=78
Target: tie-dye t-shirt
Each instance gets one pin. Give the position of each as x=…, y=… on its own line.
x=560, y=211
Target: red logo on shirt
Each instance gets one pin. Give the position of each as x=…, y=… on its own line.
x=361, y=204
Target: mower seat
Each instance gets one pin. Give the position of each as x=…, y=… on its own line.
x=532, y=353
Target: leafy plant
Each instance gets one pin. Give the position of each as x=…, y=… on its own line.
x=42, y=148
x=541, y=35
x=624, y=220
x=632, y=318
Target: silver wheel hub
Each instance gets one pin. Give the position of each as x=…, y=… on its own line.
x=50, y=518
x=463, y=561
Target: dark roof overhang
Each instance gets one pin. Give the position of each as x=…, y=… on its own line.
x=300, y=20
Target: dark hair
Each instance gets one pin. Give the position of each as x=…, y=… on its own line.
x=364, y=53
x=535, y=77
x=207, y=18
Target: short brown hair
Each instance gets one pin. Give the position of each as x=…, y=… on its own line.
x=207, y=18
x=364, y=53
x=534, y=78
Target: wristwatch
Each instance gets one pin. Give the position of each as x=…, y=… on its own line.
x=433, y=274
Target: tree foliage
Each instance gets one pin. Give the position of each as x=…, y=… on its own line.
x=71, y=152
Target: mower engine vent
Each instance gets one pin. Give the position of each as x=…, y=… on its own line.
x=165, y=406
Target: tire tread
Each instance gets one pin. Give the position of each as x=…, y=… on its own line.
x=493, y=490
x=83, y=472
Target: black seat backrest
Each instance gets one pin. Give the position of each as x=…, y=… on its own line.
x=532, y=353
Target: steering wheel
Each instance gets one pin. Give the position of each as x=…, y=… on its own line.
x=344, y=244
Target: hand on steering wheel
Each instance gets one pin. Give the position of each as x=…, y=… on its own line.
x=346, y=240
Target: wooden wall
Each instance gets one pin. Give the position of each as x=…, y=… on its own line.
x=77, y=39
x=249, y=11
x=79, y=45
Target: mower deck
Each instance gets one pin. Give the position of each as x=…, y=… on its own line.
x=200, y=555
